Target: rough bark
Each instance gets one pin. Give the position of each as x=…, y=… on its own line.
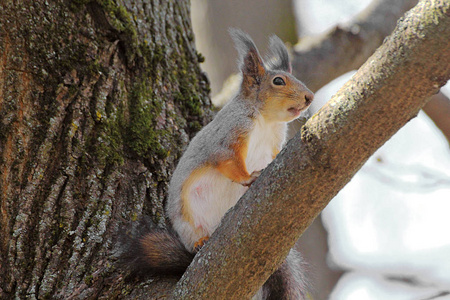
x=97, y=100
x=387, y=91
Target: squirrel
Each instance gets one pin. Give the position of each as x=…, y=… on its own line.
x=223, y=160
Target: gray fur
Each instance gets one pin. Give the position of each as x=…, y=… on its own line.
x=243, y=44
x=288, y=282
x=215, y=138
x=278, y=58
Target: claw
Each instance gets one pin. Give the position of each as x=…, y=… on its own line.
x=200, y=243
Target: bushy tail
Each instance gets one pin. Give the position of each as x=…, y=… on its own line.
x=157, y=252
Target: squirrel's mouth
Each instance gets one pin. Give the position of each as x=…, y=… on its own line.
x=294, y=111
x=297, y=109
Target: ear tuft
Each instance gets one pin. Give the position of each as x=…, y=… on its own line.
x=278, y=58
x=250, y=62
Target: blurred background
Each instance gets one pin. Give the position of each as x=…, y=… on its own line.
x=386, y=235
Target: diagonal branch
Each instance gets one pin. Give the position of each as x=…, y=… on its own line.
x=387, y=91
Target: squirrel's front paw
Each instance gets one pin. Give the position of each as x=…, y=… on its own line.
x=253, y=176
x=200, y=243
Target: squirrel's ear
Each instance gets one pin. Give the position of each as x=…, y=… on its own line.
x=278, y=58
x=251, y=63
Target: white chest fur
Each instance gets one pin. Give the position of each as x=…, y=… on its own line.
x=266, y=139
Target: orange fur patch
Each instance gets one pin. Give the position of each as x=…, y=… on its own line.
x=235, y=168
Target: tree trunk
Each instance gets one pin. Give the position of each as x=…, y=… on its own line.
x=98, y=98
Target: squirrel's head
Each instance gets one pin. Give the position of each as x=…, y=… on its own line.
x=279, y=95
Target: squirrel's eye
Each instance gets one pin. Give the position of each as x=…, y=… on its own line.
x=278, y=81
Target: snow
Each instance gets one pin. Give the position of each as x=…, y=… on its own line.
x=360, y=286
x=317, y=16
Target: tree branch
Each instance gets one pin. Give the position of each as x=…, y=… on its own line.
x=318, y=60
x=438, y=109
x=387, y=91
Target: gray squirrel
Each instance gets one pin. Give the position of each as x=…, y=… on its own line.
x=223, y=160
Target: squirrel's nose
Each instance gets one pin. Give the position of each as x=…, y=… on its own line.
x=309, y=98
